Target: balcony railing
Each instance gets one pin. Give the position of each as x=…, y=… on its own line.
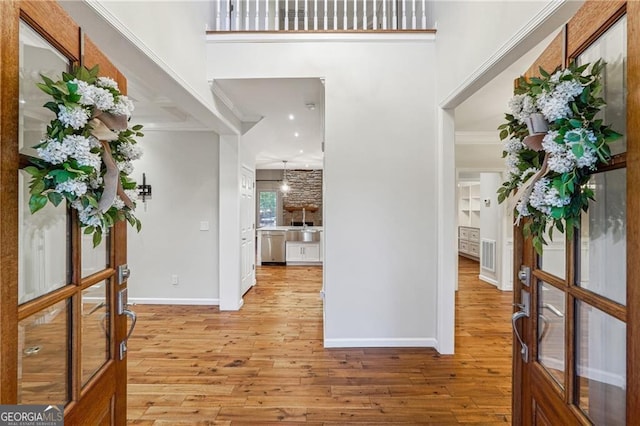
x=320, y=15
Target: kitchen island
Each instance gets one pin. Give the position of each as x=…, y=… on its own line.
x=290, y=245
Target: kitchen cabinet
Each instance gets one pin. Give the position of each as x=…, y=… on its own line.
x=469, y=242
x=303, y=252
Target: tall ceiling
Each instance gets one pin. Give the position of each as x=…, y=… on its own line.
x=288, y=114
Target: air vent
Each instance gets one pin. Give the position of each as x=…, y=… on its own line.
x=488, y=255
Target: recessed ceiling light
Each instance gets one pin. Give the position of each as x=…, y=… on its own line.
x=301, y=151
x=291, y=116
x=296, y=134
x=306, y=165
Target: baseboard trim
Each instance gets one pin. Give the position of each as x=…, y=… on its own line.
x=489, y=280
x=168, y=301
x=381, y=343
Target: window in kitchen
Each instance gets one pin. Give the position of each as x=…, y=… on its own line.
x=267, y=210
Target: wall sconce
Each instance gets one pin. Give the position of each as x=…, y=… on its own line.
x=144, y=190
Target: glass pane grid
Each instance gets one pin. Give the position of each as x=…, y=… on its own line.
x=551, y=331
x=602, y=244
x=600, y=367
x=95, y=351
x=43, y=362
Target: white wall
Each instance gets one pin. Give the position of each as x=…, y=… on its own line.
x=182, y=169
x=381, y=228
x=491, y=223
x=473, y=34
x=172, y=30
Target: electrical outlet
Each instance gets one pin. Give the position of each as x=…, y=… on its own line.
x=174, y=279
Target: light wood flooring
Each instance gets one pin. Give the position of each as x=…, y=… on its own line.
x=193, y=365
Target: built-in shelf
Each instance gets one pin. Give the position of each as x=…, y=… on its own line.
x=469, y=219
x=469, y=205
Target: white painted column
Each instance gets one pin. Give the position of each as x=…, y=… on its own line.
x=246, y=15
x=229, y=223
x=364, y=15
x=218, y=4
x=286, y=15
x=315, y=15
x=447, y=275
x=257, y=17
x=335, y=14
x=345, y=20
x=276, y=19
x=237, y=12
x=404, y=15
x=326, y=14
x=355, y=14
x=413, y=14
x=375, y=16
x=306, y=16
x=384, y=14
x=394, y=24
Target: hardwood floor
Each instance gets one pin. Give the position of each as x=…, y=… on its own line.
x=193, y=365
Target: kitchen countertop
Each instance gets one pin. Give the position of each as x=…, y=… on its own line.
x=287, y=228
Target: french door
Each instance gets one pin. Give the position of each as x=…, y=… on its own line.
x=576, y=349
x=63, y=313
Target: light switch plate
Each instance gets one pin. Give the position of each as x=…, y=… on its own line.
x=204, y=225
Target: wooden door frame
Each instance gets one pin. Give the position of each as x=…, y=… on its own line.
x=572, y=41
x=55, y=25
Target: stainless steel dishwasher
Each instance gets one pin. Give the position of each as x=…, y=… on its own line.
x=273, y=247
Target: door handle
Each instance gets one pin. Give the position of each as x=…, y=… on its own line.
x=524, y=349
x=134, y=318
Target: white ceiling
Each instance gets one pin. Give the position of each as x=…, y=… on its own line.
x=289, y=115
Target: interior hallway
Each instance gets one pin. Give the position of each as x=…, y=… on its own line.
x=196, y=365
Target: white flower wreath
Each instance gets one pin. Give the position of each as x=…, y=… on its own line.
x=86, y=155
x=554, y=141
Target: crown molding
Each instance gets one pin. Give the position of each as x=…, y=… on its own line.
x=477, y=138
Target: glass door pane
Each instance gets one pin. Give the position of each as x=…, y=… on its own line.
x=44, y=237
x=43, y=361
x=612, y=48
x=601, y=377
x=37, y=56
x=95, y=329
x=603, y=240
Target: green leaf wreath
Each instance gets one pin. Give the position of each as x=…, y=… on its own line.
x=87, y=153
x=547, y=184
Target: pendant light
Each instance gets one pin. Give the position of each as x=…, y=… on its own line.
x=284, y=187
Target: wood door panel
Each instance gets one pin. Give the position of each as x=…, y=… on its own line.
x=538, y=399
x=54, y=24
x=96, y=401
x=9, y=161
x=583, y=28
x=550, y=59
x=545, y=403
x=633, y=205
x=103, y=399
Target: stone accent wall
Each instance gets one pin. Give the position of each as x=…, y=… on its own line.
x=306, y=190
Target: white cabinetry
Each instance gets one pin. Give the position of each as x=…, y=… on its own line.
x=469, y=205
x=303, y=252
x=469, y=242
